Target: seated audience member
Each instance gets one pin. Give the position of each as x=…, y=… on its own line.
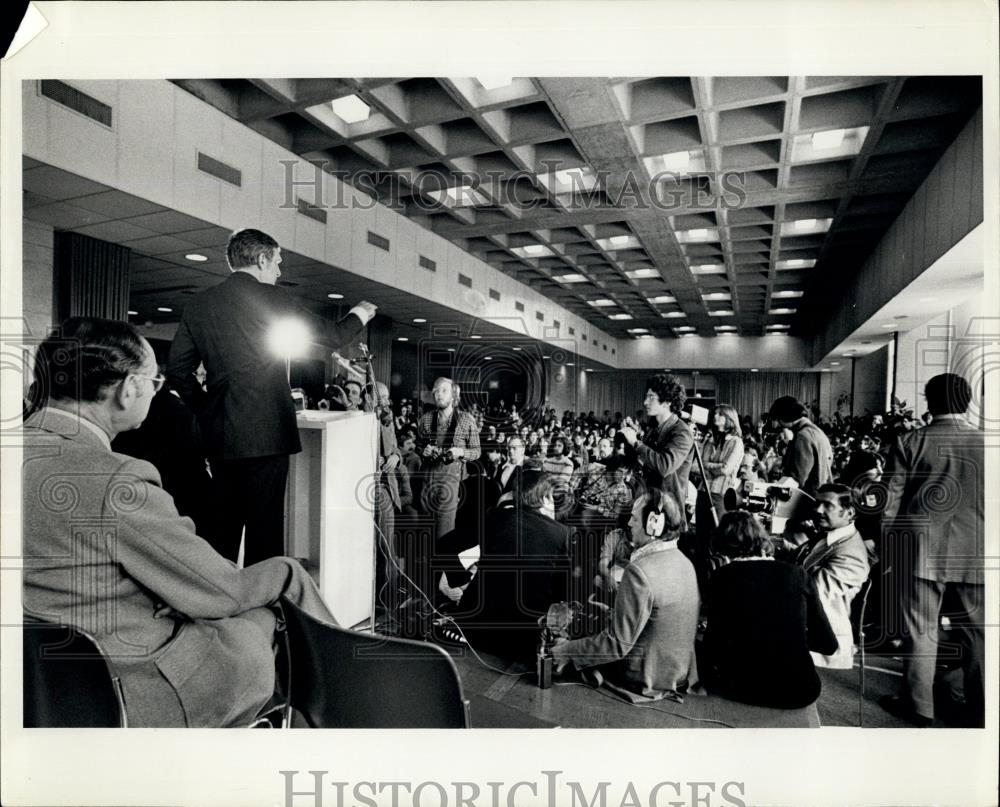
x=557, y=463
x=764, y=617
x=191, y=635
x=510, y=471
x=647, y=650
x=837, y=560
x=750, y=467
x=524, y=566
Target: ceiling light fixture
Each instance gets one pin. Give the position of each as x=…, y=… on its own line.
x=164, y=309
x=722, y=312
x=351, y=109
x=618, y=240
x=602, y=302
x=475, y=336
x=133, y=313
x=402, y=339
x=662, y=298
x=673, y=314
x=638, y=330
x=620, y=316
x=781, y=311
x=787, y=294
x=830, y=139
x=805, y=224
x=419, y=320
x=641, y=274
x=534, y=249
x=196, y=257
x=570, y=278
x=335, y=296
x=754, y=370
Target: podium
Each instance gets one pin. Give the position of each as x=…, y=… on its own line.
x=329, y=511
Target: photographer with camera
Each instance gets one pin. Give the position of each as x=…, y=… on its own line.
x=666, y=449
x=447, y=440
x=808, y=460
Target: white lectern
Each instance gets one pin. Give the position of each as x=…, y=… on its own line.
x=330, y=520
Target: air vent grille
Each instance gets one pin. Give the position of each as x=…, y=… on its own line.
x=311, y=211
x=220, y=170
x=377, y=240
x=70, y=97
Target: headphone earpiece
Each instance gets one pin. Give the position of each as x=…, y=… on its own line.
x=656, y=522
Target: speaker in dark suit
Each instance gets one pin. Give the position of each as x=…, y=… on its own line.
x=248, y=417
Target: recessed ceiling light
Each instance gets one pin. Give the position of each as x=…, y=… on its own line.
x=722, y=312
x=196, y=257
x=570, y=364
x=494, y=82
x=675, y=162
x=618, y=240
x=784, y=295
x=601, y=303
x=451, y=350
x=164, y=309
x=795, y=263
x=824, y=369
x=835, y=364
x=487, y=358
x=351, y=109
x=782, y=311
x=830, y=139
x=708, y=269
x=700, y=232
x=133, y=313
x=778, y=327
x=475, y=336
x=684, y=329
x=335, y=296
x=662, y=298
x=673, y=315
x=717, y=295
x=645, y=336
x=570, y=278
x=725, y=328
x=517, y=348
x=640, y=274
x=402, y=339
x=638, y=330
x=535, y=249
x=544, y=357
x=754, y=370
x=799, y=226
x=587, y=370
x=620, y=316
x=419, y=319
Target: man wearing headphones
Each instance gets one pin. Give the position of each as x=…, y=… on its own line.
x=647, y=650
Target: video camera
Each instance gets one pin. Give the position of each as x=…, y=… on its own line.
x=773, y=505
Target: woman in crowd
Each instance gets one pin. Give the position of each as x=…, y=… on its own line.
x=764, y=616
x=724, y=453
x=647, y=650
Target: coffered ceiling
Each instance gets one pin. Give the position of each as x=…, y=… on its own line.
x=740, y=204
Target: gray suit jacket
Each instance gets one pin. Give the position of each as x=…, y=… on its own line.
x=105, y=550
x=839, y=570
x=652, y=628
x=936, y=478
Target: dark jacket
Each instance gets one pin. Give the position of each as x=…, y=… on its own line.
x=809, y=457
x=248, y=411
x=764, y=617
x=524, y=567
x=666, y=452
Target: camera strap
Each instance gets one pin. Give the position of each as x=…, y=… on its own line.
x=449, y=437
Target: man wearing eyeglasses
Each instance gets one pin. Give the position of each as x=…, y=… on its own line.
x=104, y=549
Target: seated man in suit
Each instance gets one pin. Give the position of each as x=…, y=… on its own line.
x=189, y=634
x=524, y=567
x=837, y=561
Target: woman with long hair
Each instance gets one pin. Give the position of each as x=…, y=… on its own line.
x=724, y=454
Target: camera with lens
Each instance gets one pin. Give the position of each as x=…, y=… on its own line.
x=773, y=505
